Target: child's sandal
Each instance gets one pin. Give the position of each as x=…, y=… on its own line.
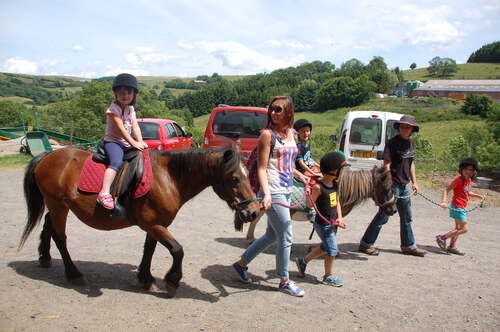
x=106, y=200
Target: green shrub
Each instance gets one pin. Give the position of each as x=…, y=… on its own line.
x=489, y=156
x=198, y=135
x=423, y=148
x=477, y=105
x=476, y=142
x=493, y=121
x=321, y=144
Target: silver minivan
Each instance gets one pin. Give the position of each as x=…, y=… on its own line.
x=363, y=136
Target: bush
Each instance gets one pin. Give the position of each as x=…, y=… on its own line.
x=423, y=148
x=476, y=142
x=198, y=135
x=12, y=114
x=478, y=105
x=321, y=144
x=493, y=121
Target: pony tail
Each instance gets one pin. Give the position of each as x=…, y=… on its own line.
x=34, y=199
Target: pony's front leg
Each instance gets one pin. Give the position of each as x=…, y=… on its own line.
x=145, y=277
x=251, y=228
x=174, y=275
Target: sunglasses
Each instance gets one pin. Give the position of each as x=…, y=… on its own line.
x=275, y=109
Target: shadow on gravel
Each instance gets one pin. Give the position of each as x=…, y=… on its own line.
x=348, y=251
x=429, y=249
x=99, y=276
x=226, y=280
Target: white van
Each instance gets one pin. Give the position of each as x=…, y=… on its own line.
x=363, y=136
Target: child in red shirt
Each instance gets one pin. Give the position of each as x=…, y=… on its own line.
x=461, y=186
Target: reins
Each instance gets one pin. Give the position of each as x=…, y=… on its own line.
x=308, y=194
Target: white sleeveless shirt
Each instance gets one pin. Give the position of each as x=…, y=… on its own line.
x=280, y=166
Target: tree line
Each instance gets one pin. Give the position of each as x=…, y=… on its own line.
x=315, y=87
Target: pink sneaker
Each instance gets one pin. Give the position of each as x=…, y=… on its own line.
x=106, y=200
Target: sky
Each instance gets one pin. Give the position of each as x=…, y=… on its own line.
x=187, y=38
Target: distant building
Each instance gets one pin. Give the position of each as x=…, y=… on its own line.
x=458, y=89
x=200, y=82
x=405, y=88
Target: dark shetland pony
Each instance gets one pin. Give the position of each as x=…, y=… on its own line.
x=51, y=181
x=356, y=186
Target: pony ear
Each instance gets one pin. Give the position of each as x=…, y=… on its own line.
x=228, y=155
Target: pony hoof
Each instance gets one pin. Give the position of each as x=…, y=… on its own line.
x=45, y=263
x=171, y=289
x=150, y=287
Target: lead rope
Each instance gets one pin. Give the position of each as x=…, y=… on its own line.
x=480, y=205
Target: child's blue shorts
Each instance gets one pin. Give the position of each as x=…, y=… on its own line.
x=327, y=234
x=458, y=213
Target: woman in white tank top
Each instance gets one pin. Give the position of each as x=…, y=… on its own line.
x=276, y=170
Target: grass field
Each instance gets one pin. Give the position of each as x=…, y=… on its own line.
x=17, y=99
x=15, y=160
x=467, y=71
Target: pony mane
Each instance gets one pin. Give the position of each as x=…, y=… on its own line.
x=184, y=162
x=357, y=186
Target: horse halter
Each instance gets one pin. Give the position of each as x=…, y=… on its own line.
x=233, y=202
x=242, y=204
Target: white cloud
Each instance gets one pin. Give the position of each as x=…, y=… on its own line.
x=146, y=55
x=237, y=56
x=272, y=43
x=437, y=34
x=297, y=45
x=113, y=71
x=185, y=46
x=20, y=65
x=91, y=74
x=77, y=48
x=290, y=43
x=429, y=26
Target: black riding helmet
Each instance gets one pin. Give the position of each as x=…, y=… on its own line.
x=301, y=123
x=127, y=80
x=468, y=161
x=332, y=161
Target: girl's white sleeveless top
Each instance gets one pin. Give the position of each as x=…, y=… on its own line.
x=280, y=166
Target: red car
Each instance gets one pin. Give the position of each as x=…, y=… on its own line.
x=163, y=134
x=238, y=124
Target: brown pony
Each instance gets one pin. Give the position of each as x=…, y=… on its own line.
x=354, y=188
x=51, y=181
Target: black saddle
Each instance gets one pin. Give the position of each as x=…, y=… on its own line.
x=125, y=182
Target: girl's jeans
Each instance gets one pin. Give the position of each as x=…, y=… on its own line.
x=405, y=220
x=279, y=230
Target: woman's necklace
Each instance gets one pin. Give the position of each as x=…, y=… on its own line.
x=280, y=135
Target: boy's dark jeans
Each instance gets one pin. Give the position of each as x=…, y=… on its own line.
x=405, y=221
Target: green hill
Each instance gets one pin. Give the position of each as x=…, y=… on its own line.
x=467, y=71
x=41, y=90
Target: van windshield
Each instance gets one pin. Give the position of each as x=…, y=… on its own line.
x=366, y=131
x=239, y=124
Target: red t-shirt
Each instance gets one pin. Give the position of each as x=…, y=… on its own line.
x=461, y=189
